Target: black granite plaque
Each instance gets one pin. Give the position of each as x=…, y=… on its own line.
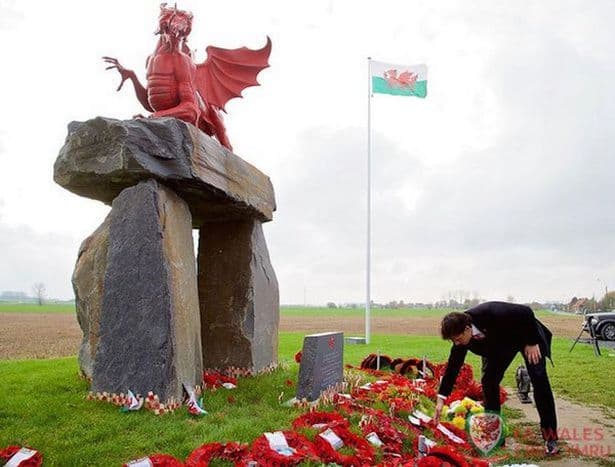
x=321, y=364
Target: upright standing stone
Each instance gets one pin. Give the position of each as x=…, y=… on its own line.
x=239, y=298
x=149, y=325
x=321, y=364
x=88, y=281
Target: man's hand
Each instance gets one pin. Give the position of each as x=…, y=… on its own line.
x=438, y=411
x=532, y=353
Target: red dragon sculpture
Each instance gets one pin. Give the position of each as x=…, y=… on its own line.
x=195, y=93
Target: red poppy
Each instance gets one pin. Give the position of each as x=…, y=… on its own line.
x=326, y=419
x=304, y=450
x=443, y=455
x=202, y=455
x=10, y=451
x=363, y=452
x=215, y=380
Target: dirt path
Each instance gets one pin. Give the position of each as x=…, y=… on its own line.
x=584, y=428
x=46, y=335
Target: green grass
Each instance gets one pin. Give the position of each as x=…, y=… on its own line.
x=42, y=403
x=400, y=312
x=34, y=308
x=285, y=310
x=360, y=312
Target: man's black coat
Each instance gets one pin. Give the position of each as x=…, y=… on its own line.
x=507, y=327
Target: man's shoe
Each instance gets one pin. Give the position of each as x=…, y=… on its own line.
x=551, y=448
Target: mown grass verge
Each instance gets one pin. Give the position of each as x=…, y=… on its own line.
x=287, y=310
x=42, y=403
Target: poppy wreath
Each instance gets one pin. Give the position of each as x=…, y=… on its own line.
x=163, y=460
x=231, y=451
x=330, y=419
x=371, y=362
x=443, y=455
x=466, y=386
x=390, y=436
x=262, y=452
x=412, y=366
x=363, y=451
x=457, y=432
x=215, y=380
x=7, y=453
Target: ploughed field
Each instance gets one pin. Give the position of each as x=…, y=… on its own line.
x=32, y=334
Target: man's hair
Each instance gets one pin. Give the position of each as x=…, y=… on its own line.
x=454, y=324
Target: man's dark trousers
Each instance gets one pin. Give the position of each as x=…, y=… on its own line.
x=543, y=396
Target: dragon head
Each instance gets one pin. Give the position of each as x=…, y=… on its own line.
x=173, y=24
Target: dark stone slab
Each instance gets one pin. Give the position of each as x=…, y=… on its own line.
x=149, y=332
x=88, y=281
x=103, y=156
x=321, y=364
x=238, y=294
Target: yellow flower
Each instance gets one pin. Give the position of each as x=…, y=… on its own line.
x=468, y=403
x=459, y=422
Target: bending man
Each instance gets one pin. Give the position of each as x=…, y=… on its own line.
x=497, y=331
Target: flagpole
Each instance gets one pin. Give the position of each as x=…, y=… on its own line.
x=369, y=204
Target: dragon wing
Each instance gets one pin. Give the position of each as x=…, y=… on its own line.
x=227, y=72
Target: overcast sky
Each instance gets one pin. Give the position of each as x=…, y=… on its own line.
x=500, y=182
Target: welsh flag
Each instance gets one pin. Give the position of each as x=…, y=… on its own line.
x=399, y=80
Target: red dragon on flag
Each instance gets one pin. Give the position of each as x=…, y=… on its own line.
x=406, y=79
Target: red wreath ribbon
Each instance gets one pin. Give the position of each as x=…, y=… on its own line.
x=457, y=432
x=35, y=461
x=363, y=451
x=329, y=419
x=215, y=380
x=163, y=460
x=443, y=455
x=304, y=450
x=392, y=439
x=231, y=451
